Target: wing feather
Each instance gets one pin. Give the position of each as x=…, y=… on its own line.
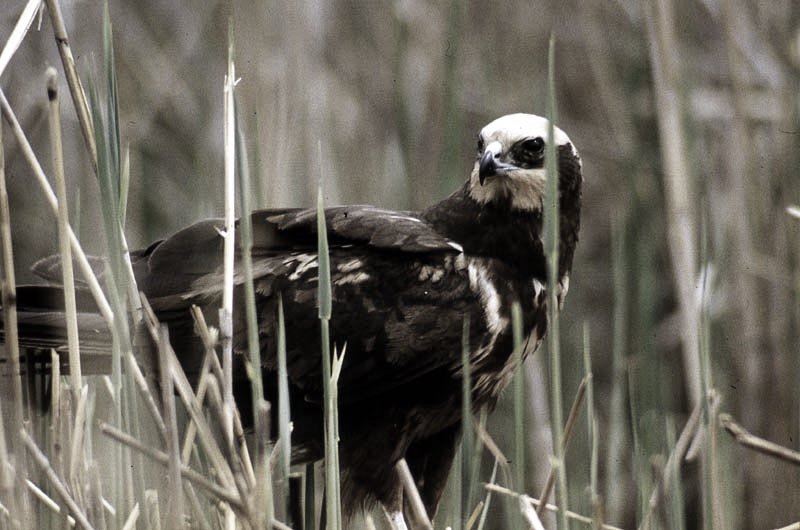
x=398, y=323
x=376, y=227
x=398, y=293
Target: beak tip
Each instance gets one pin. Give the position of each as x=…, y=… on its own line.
x=487, y=167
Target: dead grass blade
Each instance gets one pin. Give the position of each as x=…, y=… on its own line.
x=751, y=441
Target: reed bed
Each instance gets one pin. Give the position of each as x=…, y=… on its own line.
x=666, y=393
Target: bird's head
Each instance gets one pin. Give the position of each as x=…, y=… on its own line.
x=510, y=166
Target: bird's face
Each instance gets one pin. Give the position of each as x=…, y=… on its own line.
x=509, y=167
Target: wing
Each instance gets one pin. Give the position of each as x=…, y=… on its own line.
x=400, y=292
x=366, y=225
x=398, y=317
x=175, y=265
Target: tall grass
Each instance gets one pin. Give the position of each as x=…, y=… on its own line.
x=643, y=93
x=333, y=504
x=229, y=466
x=68, y=280
x=551, y=237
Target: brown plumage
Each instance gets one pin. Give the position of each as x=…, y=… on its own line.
x=403, y=283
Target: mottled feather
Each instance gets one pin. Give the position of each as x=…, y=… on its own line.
x=403, y=285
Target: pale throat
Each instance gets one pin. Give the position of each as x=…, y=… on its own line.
x=525, y=188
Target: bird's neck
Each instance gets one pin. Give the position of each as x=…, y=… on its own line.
x=496, y=230
x=492, y=230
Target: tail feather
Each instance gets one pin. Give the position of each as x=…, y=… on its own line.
x=41, y=320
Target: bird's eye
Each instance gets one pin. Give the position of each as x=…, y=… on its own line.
x=529, y=153
x=533, y=145
x=480, y=145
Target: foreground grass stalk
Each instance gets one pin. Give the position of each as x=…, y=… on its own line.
x=549, y=507
x=519, y=480
x=67, y=276
x=176, y=507
x=215, y=491
x=221, y=467
x=49, y=503
x=333, y=508
x=41, y=179
x=19, y=32
x=284, y=410
x=519, y=399
x=486, y=503
x=226, y=312
x=246, y=247
x=11, y=472
x=73, y=79
x=572, y=419
x=551, y=230
x=751, y=441
x=714, y=496
x=468, y=438
x=263, y=494
x=262, y=491
x=55, y=481
x=677, y=455
x=680, y=199
x=592, y=432
x=411, y=492
x=208, y=384
x=8, y=479
x=618, y=444
x=309, y=498
x=9, y=294
x=105, y=121
x=676, y=510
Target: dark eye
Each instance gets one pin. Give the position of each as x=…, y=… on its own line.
x=480, y=145
x=534, y=146
x=529, y=153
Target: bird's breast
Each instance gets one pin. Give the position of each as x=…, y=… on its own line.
x=498, y=290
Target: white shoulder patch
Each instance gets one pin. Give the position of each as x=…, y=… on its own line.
x=456, y=246
x=480, y=282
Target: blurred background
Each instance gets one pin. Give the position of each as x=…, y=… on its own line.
x=686, y=117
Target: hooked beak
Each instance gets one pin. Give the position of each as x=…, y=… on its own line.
x=489, y=165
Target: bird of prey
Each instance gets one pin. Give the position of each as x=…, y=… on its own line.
x=403, y=284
